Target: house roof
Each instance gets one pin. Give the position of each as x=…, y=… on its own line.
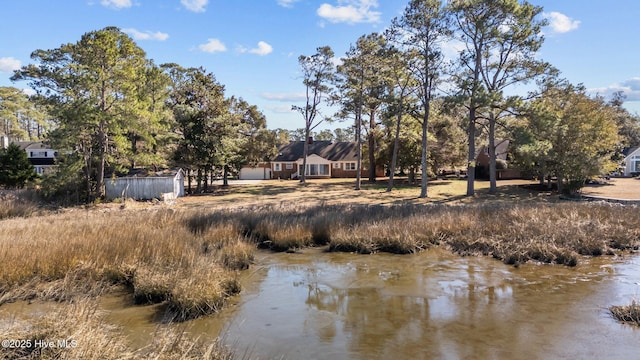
x=32, y=145
x=502, y=149
x=629, y=150
x=333, y=151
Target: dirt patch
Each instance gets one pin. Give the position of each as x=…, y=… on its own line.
x=616, y=188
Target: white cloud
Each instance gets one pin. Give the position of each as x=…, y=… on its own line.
x=262, y=49
x=561, y=23
x=118, y=4
x=281, y=109
x=287, y=3
x=213, y=46
x=350, y=11
x=630, y=88
x=195, y=5
x=146, y=35
x=336, y=61
x=9, y=64
x=284, y=97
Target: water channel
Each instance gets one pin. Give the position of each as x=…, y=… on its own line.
x=432, y=305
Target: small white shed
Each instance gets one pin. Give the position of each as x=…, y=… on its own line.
x=155, y=186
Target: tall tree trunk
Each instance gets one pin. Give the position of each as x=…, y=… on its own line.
x=493, y=186
x=102, y=144
x=394, y=157
x=225, y=176
x=189, y=179
x=358, y=147
x=305, y=154
x=560, y=182
x=471, y=161
x=87, y=171
x=206, y=179
x=199, y=180
x=134, y=149
x=372, y=146
x=423, y=161
x=29, y=130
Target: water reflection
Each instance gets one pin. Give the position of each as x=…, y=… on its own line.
x=431, y=305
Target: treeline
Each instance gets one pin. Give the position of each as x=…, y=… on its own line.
x=426, y=111
x=111, y=109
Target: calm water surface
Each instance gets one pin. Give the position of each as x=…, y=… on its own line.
x=433, y=305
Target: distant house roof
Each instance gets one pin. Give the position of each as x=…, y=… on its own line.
x=32, y=145
x=333, y=151
x=629, y=150
x=502, y=150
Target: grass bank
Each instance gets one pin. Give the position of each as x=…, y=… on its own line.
x=152, y=252
x=513, y=233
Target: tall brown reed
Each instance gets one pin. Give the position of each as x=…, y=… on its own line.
x=627, y=313
x=154, y=252
x=514, y=233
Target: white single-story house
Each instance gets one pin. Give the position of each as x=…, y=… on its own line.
x=163, y=185
x=631, y=162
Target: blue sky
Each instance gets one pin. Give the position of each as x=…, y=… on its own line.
x=252, y=46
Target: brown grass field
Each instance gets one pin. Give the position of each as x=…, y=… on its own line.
x=341, y=191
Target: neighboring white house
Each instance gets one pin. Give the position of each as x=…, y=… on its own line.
x=156, y=186
x=631, y=161
x=41, y=156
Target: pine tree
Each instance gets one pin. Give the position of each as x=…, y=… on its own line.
x=15, y=167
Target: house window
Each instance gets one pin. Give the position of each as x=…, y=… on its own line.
x=288, y=166
x=276, y=167
x=323, y=169
x=350, y=166
x=336, y=165
x=317, y=170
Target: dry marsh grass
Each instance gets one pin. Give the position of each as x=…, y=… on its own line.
x=511, y=232
x=627, y=313
x=87, y=335
x=17, y=204
x=153, y=252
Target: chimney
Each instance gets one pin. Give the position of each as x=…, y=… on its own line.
x=310, y=140
x=4, y=142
